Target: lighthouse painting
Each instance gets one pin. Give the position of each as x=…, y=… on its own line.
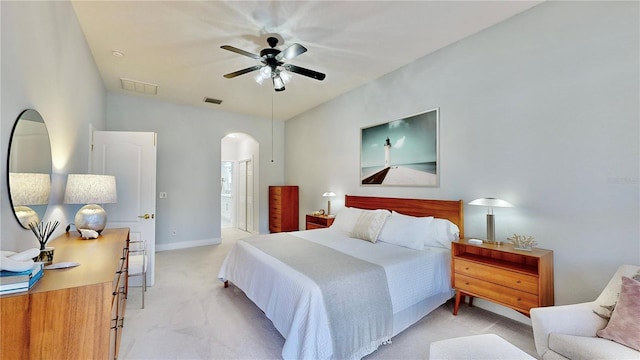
x=401, y=152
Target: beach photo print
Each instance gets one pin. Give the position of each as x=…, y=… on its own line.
x=401, y=152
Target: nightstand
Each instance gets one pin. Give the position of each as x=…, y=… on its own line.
x=517, y=279
x=318, y=221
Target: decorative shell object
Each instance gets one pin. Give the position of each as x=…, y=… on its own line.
x=522, y=242
x=88, y=234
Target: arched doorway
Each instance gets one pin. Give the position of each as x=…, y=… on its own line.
x=239, y=182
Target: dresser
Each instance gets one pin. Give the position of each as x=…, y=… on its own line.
x=517, y=279
x=74, y=313
x=283, y=208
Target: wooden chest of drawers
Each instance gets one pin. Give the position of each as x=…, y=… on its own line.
x=283, y=208
x=517, y=279
x=74, y=313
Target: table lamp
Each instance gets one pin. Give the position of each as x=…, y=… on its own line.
x=329, y=195
x=490, y=203
x=91, y=190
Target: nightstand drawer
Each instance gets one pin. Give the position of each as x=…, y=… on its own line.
x=499, y=276
x=501, y=294
x=311, y=226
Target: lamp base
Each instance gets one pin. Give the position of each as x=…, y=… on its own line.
x=491, y=231
x=92, y=217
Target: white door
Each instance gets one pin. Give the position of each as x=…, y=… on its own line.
x=131, y=157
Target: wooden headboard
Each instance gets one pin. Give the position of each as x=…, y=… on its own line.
x=451, y=210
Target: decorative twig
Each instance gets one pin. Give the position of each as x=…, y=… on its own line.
x=43, y=231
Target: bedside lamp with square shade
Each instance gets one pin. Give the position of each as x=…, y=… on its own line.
x=91, y=190
x=28, y=189
x=490, y=203
x=329, y=195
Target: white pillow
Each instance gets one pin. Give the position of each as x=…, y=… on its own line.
x=369, y=224
x=442, y=233
x=345, y=220
x=406, y=231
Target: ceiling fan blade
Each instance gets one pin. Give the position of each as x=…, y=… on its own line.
x=306, y=72
x=291, y=52
x=243, y=71
x=240, y=51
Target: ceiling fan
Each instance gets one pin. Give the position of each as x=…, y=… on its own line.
x=272, y=61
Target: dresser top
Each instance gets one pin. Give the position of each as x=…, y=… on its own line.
x=506, y=248
x=98, y=258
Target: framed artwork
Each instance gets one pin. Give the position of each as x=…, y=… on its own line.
x=401, y=152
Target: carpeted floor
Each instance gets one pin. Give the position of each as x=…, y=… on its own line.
x=189, y=315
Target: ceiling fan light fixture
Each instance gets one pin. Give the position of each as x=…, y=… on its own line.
x=263, y=74
x=285, y=76
x=266, y=71
x=259, y=78
x=278, y=84
x=273, y=64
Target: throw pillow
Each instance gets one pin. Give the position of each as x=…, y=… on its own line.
x=405, y=231
x=369, y=224
x=606, y=310
x=345, y=220
x=624, y=327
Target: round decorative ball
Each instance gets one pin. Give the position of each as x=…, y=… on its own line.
x=92, y=217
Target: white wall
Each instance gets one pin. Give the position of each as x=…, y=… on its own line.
x=541, y=110
x=188, y=167
x=47, y=66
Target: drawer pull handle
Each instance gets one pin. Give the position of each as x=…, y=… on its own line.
x=466, y=283
x=467, y=268
x=518, y=282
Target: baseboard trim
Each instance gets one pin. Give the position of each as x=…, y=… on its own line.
x=187, y=244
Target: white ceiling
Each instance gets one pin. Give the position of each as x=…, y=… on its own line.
x=176, y=44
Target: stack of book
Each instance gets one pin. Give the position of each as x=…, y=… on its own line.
x=13, y=282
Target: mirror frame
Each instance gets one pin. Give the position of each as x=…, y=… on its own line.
x=45, y=167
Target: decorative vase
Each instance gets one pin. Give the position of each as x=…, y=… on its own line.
x=46, y=255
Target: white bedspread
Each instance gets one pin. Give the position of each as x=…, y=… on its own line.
x=294, y=303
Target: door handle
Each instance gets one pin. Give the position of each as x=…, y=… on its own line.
x=147, y=216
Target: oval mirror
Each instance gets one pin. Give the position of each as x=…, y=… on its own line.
x=29, y=168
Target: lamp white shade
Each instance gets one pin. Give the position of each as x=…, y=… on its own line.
x=29, y=188
x=329, y=194
x=490, y=202
x=91, y=190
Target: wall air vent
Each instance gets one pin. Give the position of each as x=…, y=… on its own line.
x=139, y=86
x=212, y=100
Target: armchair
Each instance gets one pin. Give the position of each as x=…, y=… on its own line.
x=569, y=331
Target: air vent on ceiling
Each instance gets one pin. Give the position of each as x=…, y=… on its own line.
x=212, y=100
x=139, y=86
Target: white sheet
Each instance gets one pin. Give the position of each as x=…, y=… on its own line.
x=294, y=303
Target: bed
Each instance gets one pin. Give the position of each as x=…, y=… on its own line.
x=334, y=296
